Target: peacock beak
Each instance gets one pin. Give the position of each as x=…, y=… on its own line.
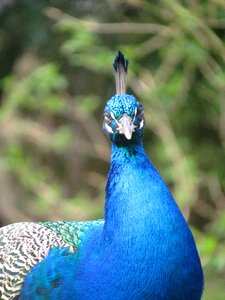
x=126, y=126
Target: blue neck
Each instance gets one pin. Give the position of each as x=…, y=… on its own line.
x=135, y=192
x=124, y=202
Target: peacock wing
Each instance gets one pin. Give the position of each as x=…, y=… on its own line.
x=23, y=245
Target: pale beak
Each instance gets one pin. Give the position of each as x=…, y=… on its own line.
x=126, y=126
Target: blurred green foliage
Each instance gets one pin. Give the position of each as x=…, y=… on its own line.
x=55, y=77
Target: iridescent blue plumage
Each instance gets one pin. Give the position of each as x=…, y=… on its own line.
x=144, y=250
x=120, y=104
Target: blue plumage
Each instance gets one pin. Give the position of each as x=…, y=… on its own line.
x=144, y=250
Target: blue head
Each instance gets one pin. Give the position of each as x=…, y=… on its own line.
x=124, y=120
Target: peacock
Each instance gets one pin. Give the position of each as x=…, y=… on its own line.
x=143, y=249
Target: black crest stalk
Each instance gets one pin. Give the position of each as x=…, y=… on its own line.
x=121, y=66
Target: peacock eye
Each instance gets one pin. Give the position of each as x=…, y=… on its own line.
x=140, y=115
x=139, y=111
x=107, y=118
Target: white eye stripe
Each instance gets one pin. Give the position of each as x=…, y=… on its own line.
x=114, y=118
x=112, y=115
x=107, y=119
x=108, y=128
x=135, y=114
x=141, y=124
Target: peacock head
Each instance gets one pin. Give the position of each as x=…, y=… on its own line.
x=123, y=114
x=124, y=120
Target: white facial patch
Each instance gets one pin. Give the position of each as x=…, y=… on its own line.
x=141, y=124
x=108, y=128
x=113, y=117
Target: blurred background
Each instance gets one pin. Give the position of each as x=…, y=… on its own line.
x=55, y=77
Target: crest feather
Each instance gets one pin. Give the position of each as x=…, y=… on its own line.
x=121, y=66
